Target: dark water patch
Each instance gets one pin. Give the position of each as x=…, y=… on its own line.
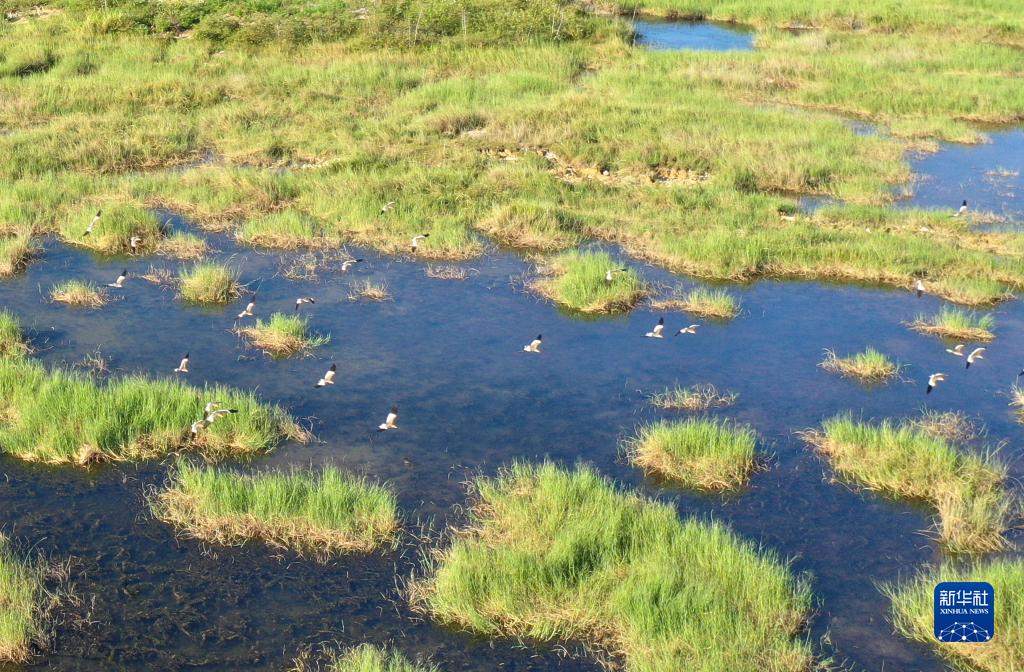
x=692, y=35
x=450, y=354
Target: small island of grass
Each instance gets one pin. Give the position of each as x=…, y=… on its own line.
x=711, y=303
x=79, y=293
x=363, y=658
x=22, y=604
x=283, y=335
x=694, y=398
x=909, y=463
x=870, y=366
x=697, y=453
x=555, y=555
x=956, y=323
x=578, y=281
x=209, y=282
x=321, y=513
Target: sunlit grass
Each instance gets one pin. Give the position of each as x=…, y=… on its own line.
x=12, y=338
x=577, y=281
x=965, y=488
x=283, y=335
x=697, y=453
x=363, y=658
x=368, y=290
x=113, y=233
x=870, y=366
x=182, y=245
x=288, y=229
x=913, y=612
x=956, y=323
x=15, y=252
x=22, y=597
x=702, y=301
x=209, y=282
x=322, y=513
x=79, y=293
x=555, y=555
x=693, y=398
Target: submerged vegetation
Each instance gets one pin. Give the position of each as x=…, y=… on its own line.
x=12, y=338
x=556, y=555
x=697, y=453
x=80, y=293
x=130, y=418
x=23, y=598
x=903, y=461
x=913, y=611
x=705, y=302
x=579, y=282
x=210, y=282
x=321, y=513
x=363, y=658
x=694, y=398
x=955, y=323
x=283, y=335
x=870, y=366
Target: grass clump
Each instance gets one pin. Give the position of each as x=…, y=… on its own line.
x=287, y=230
x=283, y=335
x=129, y=418
x=79, y=293
x=23, y=597
x=114, y=230
x=577, y=281
x=15, y=252
x=906, y=462
x=182, y=245
x=697, y=453
x=713, y=303
x=956, y=323
x=209, y=282
x=323, y=513
x=952, y=426
x=550, y=554
x=12, y=338
x=369, y=291
x=694, y=398
x=913, y=613
x=869, y=366
x=363, y=658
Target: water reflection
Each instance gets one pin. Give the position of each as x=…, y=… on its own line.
x=692, y=35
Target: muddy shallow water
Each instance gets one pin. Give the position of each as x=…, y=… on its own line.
x=449, y=353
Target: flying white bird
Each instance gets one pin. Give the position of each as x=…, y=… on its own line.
x=934, y=380
x=534, y=345
x=389, y=422
x=349, y=263
x=303, y=300
x=328, y=378
x=658, y=328
x=210, y=407
x=183, y=367
x=249, y=308
x=384, y=208
x=416, y=240
x=976, y=354
x=958, y=350
x=134, y=243
x=219, y=413
x=119, y=283
x=962, y=210
x=919, y=286
x=692, y=329
x=95, y=220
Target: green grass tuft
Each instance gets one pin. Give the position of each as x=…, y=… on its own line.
x=576, y=280
x=80, y=293
x=130, y=418
x=703, y=301
x=322, y=513
x=956, y=323
x=909, y=463
x=209, y=282
x=288, y=230
x=12, y=338
x=556, y=555
x=15, y=252
x=182, y=245
x=913, y=609
x=283, y=335
x=697, y=453
x=113, y=233
x=22, y=598
x=362, y=658
x=870, y=366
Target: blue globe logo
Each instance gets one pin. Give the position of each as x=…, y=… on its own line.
x=964, y=632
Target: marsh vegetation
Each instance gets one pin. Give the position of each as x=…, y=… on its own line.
x=869, y=366
x=701, y=301
x=580, y=282
x=697, y=453
x=956, y=324
x=210, y=282
x=79, y=293
x=283, y=335
x=363, y=658
x=694, y=398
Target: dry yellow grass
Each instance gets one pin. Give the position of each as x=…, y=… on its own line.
x=368, y=291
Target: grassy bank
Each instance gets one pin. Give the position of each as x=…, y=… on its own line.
x=113, y=233
x=322, y=513
x=966, y=489
x=209, y=282
x=913, y=612
x=182, y=245
x=22, y=598
x=869, y=366
x=283, y=335
x=697, y=453
x=578, y=281
x=129, y=418
x=79, y=293
x=363, y=658
x=713, y=303
x=694, y=398
x=15, y=252
x=12, y=338
x=288, y=230
x=552, y=555
x=958, y=324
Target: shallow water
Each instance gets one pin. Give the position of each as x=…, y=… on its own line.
x=696, y=35
x=449, y=353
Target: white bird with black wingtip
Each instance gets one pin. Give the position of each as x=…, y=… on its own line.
x=183, y=366
x=328, y=378
x=976, y=354
x=957, y=350
x=250, y=308
x=609, y=275
x=389, y=422
x=416, y=241
x=962, y=210
x=119, y=283
x=934, y=380
x=692, y=329
x=384, y=208
x=212, y=416
x=534, y=345
x=658, y=328
x=303, y=300
x=349, y=263
x=93, y=223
